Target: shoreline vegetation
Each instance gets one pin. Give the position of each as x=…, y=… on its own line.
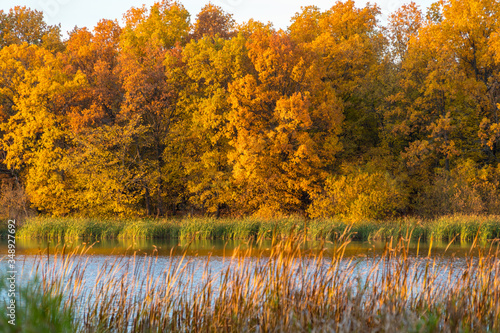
x=336, y=118
x=461, y=228
x=289, y=291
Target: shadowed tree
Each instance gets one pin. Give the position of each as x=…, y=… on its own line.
x=213, y=21
x=150, y=49
x=349, y=47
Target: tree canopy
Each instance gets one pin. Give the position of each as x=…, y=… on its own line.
x=339, y=115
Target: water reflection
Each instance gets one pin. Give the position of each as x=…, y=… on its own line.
x=220, y=248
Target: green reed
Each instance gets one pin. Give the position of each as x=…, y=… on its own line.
x=461, y=228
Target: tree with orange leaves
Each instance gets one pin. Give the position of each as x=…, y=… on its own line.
x=284, y=124
x=150, y=51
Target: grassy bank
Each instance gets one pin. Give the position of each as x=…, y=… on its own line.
x=462, y=228
x=289, y=291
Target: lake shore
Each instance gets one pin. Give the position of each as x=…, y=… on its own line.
x=288, y=290
x=463, y=228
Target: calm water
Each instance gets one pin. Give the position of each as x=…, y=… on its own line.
x=200, y=255
x=216, y=254
x=135, y=262
x=164, y=248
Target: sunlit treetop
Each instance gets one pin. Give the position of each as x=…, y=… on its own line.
x=24, y=25
x=165, y=24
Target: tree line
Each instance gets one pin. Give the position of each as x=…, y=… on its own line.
x=338, y=115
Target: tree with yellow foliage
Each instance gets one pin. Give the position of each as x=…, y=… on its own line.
x=150, y=49
x=23, y=25
x=284, y=124
x=349, y=46
x=36, y=135
x=211, y=64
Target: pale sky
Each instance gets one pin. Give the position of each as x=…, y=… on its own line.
x=71, y=13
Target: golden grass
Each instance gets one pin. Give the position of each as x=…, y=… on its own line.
x=288, y=291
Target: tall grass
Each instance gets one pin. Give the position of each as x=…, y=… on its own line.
x=459, y=227
x=289, y=291
x=39, y=308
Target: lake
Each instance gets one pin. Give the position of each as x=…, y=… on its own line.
x=217, y=248
x=169, y=278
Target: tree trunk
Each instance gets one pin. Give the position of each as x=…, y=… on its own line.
x=148, y=201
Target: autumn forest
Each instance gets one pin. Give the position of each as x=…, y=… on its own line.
x=339, y=115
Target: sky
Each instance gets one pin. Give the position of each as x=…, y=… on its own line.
x=71, y=13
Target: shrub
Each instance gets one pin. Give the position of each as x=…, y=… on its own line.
x=13, y=201
x=359, y=195
x=466, y=189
